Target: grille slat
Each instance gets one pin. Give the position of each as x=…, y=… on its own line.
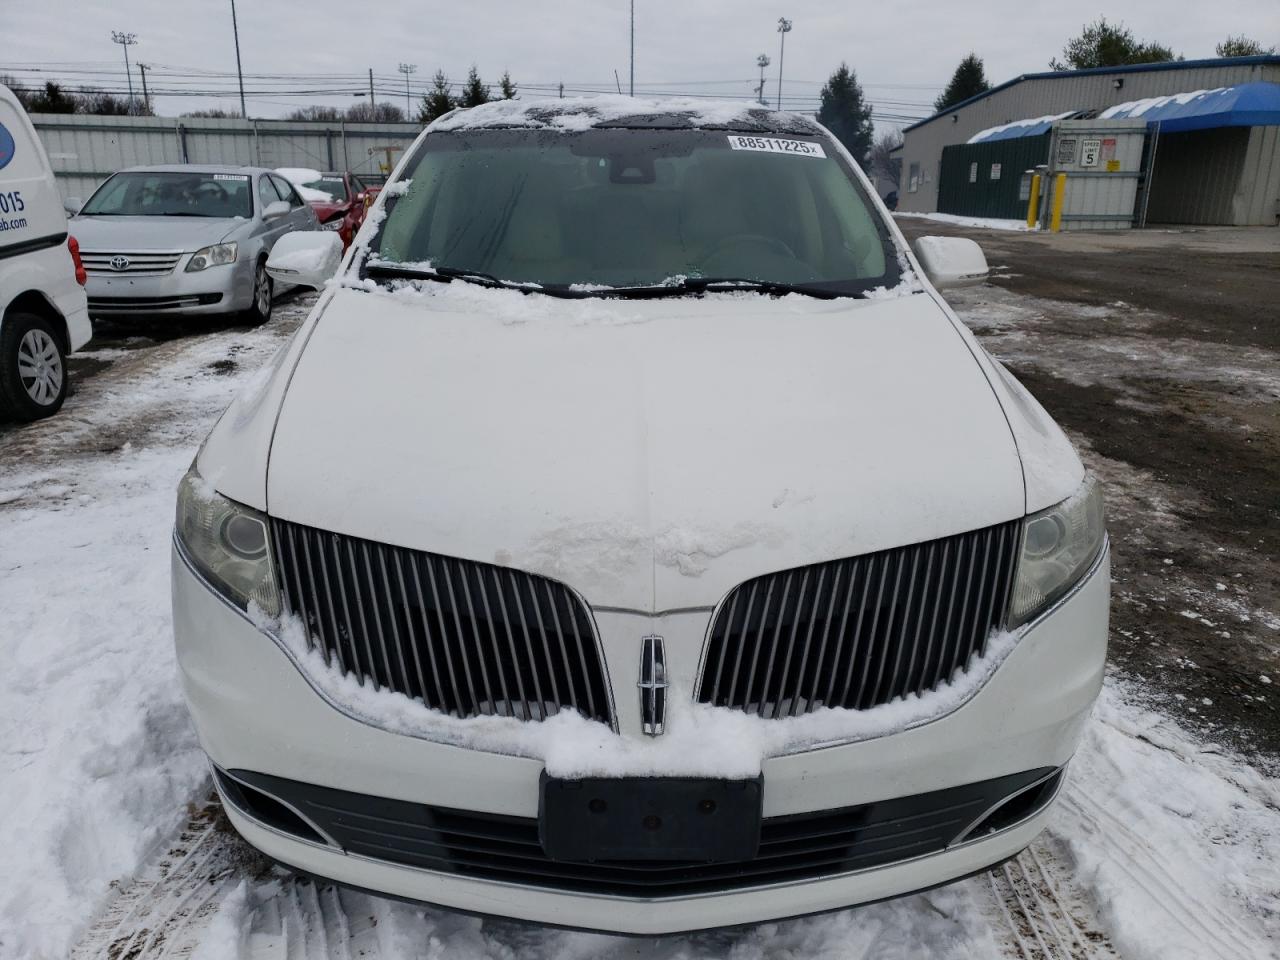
x=862, y=631
x=456, y=634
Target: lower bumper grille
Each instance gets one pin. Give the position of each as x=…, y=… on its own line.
x=143, y=304
x=793, y=848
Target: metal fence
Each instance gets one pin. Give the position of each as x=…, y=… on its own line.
x=85, y=150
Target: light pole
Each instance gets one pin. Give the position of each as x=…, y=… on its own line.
x=235, y=29
x=784, y=27
x=406, y=69
x=126, y=40
x=762, y=61
x=632, y=88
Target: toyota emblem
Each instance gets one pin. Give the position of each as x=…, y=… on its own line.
x=119, y=263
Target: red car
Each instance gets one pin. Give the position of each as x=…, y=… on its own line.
x=339, y=199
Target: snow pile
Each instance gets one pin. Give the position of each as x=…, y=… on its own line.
x=700, y=740
x=1177, y=839
x=300, y=177
x=988, y=223
x=990, y=132
x=99, y=758
x=571, y=114
x=1136, y=108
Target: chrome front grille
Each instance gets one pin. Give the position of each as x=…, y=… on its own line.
x=859, y=632
x=466, y=638
x=143, y=263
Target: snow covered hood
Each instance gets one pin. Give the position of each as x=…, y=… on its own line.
x=652, y=454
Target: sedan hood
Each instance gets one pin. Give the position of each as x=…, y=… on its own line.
x=651, y=454
x=188, y=234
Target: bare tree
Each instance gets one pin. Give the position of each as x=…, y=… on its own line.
x=882, y=163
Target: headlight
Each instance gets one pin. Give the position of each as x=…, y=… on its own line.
x=228, y=543
x=206, y=257
x=1058, y=546
x=335, y=224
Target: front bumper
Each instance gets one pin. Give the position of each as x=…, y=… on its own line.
x=227, y=288
x=256, y=712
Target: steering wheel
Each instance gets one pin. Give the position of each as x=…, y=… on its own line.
x=759, y=240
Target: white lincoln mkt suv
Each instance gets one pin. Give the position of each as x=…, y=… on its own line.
x=633, y=539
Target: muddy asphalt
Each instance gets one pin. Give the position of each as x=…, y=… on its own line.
x=1159, y=352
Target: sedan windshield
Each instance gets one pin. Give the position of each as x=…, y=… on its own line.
x=166, y=194
x=333, y=186
x=593, y=212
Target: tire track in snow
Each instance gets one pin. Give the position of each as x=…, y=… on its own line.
x=1043, y=913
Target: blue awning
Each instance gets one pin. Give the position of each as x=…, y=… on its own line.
x=1031, y=127
x=1243, y=105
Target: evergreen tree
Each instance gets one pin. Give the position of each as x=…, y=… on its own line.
x=969, y=80
x=1103, y=44
x=437, y=101
x=846, y=114
x=474, y=91
x=506, y=85
x=1243, y=46
x=53, y=100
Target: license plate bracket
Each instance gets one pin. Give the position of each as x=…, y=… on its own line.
x=650, y=818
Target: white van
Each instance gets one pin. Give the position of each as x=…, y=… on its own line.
x=43, y=311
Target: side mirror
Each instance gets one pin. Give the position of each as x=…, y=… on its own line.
x=72, y=205
x=951, y=261
x=275, y=210
x=306, y=258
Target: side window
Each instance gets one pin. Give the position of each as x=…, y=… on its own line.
x=287, y=192
x=357, y=184
x=913, y=178
x=266, y=193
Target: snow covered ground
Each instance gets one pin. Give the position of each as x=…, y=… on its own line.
x=990, y=223
x=1163, y=845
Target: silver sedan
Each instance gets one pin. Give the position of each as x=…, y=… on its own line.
x=186, y=240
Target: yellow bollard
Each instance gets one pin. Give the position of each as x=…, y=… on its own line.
x=1059, y=191
x=1033, y=202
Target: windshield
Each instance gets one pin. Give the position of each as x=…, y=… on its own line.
x=623, y=208
x=333, y=186
x=166, y=194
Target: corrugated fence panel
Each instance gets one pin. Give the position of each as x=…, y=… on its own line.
x=984, y=179
x=1258, y=201
x=84, y=151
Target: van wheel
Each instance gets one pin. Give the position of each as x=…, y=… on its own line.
x=33, y=368
x=259, y=311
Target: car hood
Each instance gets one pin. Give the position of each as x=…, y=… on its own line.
x=150, y=233
x=327, y=208
x=651, y=454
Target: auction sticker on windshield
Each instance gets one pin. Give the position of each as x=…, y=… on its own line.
x=800, y=148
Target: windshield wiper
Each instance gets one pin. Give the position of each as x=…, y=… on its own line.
x=678, y=286
x=444, y=274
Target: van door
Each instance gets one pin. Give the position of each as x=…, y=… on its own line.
x=31, y=214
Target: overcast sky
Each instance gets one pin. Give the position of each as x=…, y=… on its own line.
x=903, y=53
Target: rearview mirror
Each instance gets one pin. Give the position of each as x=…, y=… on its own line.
x=306, y=258
x=951, y=261
x=275, y=210
x=72, y=205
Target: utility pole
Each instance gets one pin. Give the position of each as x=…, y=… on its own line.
x=784, y=27
x=146, y=97
x=561, y=89
x=406, y=69
x=235, y=29
x=633, y=48
x=762, y=61
x=373, y=107
x=126, y=40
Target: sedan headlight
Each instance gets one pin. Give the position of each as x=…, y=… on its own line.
x=228, y=543
x=335, y=224
x=216, y=255
x=1058, y=547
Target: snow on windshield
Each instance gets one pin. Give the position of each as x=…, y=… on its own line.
x=581, y=113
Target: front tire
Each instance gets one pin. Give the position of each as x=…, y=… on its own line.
x=33, y=368
x=259, y=311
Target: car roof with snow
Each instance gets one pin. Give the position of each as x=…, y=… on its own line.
x=195, y=168
x=571, y=114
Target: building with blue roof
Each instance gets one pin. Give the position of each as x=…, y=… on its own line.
x=1212, y=153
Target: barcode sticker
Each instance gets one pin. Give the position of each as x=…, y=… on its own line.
x=799, y=148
